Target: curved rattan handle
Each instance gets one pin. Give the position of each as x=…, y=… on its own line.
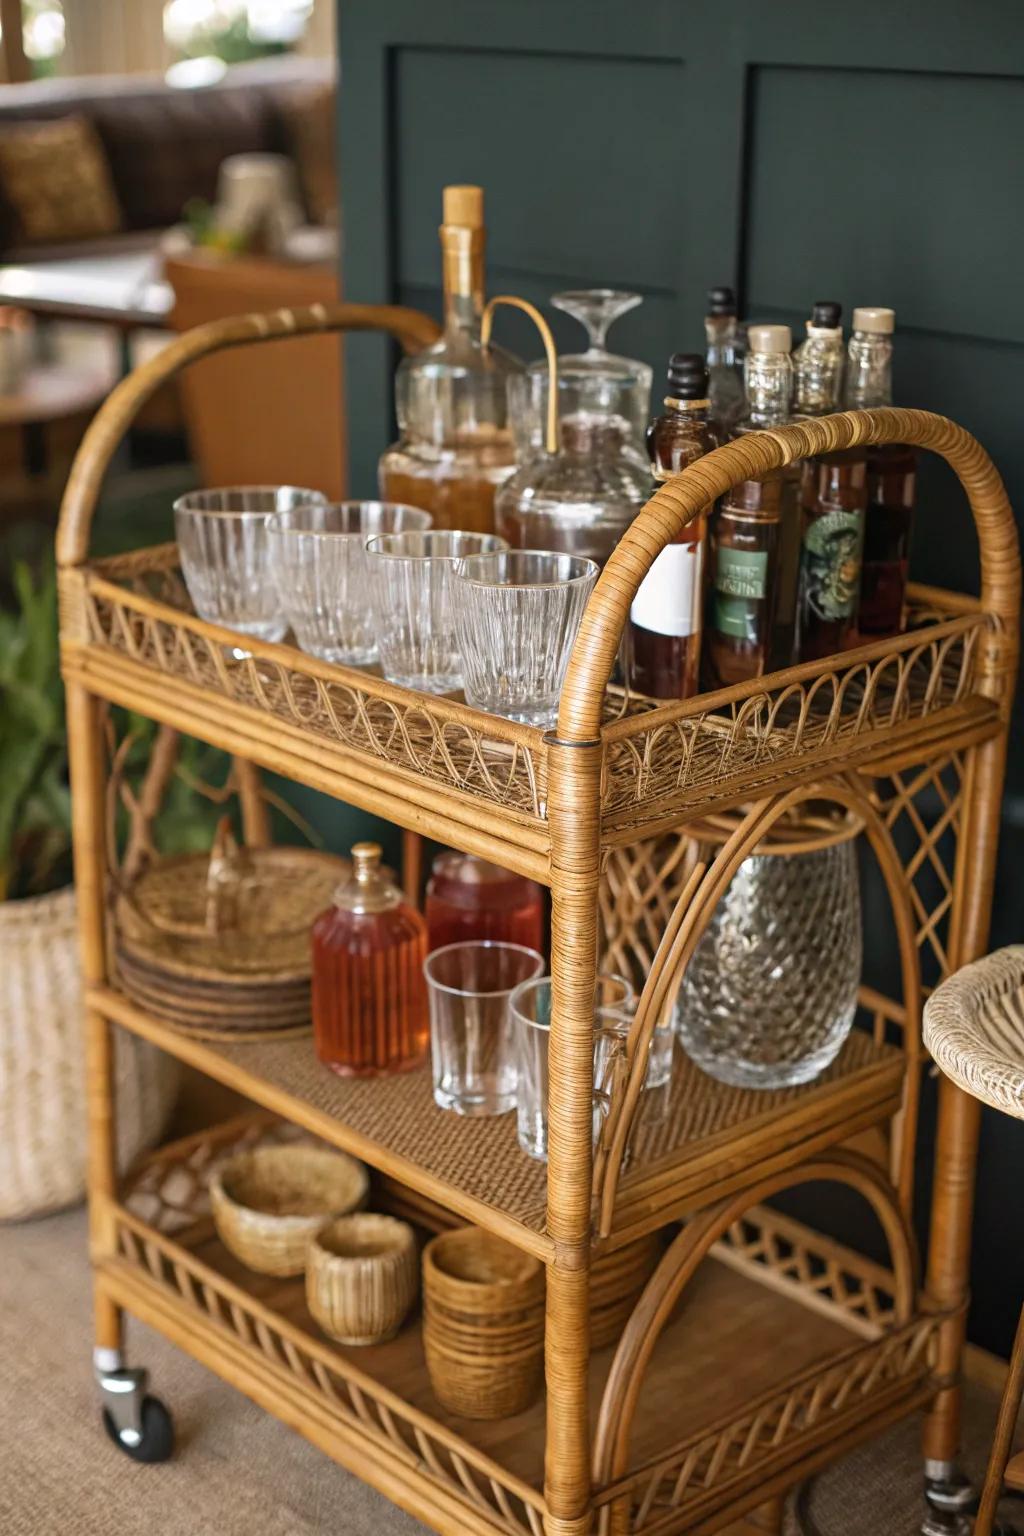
x=682, y=498
x=108, y=427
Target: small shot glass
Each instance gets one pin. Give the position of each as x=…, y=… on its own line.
x=320, y=562
x=413, y=576
x=530, y=1011
x=226, y=555
x=469, y=986
x=517, y=616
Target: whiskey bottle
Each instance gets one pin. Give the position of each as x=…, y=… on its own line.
x=832, y=501
x=891, y=481
x=455, y=447
x=747, y=535
x=664, y=633
x=725, y=379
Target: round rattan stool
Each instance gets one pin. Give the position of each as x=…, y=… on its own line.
x=974, y=1029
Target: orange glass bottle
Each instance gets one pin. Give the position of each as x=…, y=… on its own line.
x=370, y=1012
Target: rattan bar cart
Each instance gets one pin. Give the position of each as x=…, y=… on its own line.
x=788, y=1347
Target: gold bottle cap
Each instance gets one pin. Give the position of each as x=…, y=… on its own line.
x=769, y=338
x=371, y=888
x=465, y=206
x=877, y=322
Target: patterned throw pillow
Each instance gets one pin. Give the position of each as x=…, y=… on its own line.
x=56, y=180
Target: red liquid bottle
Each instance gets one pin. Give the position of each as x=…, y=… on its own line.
x=467, y=899
x=370, y=1012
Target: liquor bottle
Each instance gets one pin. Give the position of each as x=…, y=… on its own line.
x=468, y=898
x=747, y=535
x=891, y=481
x=664, y=633
x=370, y=1012
x=726, y=381
x=455, y=447
x=832, y=501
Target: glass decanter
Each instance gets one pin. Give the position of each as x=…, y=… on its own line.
x=581, y=487
x=595, y=385
x=370, y=1012
x=455, y=446
x=770, y=994
x=468, y=898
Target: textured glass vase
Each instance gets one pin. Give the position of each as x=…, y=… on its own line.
x=771, y=991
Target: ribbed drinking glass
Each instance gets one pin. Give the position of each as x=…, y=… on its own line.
x=517, y=616
x=412, y=580
x=320, y=561
x=226, y=555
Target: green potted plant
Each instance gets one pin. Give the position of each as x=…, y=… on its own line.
x=42, y=1119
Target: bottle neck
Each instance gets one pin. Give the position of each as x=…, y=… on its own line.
x=720, y=334
x=689, y=410
x=869, y=381
x=462, y=253
x=768, y=377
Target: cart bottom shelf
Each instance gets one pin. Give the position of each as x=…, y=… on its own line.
x=734, y=1350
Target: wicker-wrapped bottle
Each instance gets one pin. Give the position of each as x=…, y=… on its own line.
x=369, y=996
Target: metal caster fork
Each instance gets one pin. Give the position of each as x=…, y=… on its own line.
x=139, y=1425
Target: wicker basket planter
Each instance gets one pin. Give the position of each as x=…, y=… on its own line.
x=42, y=1077
x=268, y=1203
x=483, y=1324
x=362, y=1275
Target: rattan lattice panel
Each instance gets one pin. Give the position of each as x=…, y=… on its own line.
x=657, y=759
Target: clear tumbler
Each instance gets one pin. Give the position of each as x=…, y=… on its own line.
x=469, y=986
x=412, y=576
x=226, y=554
x=320, y=560
x=517, y=616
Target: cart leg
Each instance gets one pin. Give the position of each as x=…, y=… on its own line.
x=949, y=1495
x=1002, y=1440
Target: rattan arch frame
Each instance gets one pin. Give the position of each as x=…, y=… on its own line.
x=676, y=1269
x=686, y=927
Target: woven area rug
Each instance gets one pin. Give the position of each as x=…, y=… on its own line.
x=238, y=1472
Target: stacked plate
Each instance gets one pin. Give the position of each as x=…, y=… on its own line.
x=220, y=948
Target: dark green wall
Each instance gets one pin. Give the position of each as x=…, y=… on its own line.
x=870, y=153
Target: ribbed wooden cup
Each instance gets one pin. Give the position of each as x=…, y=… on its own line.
x=268, y=1203
x=616, y=1281
x=483, y=1324
x=362, y=1274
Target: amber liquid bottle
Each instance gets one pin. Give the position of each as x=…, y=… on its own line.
x=455, y=446
x=746, y=532
x=469, y=899
x=833, y=500
x=663, y=639
x=891, y=481
x=370, y=1013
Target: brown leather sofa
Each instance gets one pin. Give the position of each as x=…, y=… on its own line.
x=164, y=144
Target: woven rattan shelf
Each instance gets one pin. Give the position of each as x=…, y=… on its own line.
x=802, y=1345
x=758, y=1349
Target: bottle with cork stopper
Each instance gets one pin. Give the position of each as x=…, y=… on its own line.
x=454, y=447
x=754, y=528
x=891, y=480
x=370, y=1012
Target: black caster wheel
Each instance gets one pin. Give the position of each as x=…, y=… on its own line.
x=156, y=1442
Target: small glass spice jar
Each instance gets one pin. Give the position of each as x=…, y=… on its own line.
x=370, y=1012
x=469, y=899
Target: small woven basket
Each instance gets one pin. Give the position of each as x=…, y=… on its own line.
x=362, y=1275
x=483, y=1324
x=42, y=1076
x=269, y=1203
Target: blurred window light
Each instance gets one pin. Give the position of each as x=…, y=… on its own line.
x=42, y=29
x=234, y=30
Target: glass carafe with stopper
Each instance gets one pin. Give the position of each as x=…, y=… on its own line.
x=455, y=446
x=370, y=1012
x=596, y=388
x=579, y=490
